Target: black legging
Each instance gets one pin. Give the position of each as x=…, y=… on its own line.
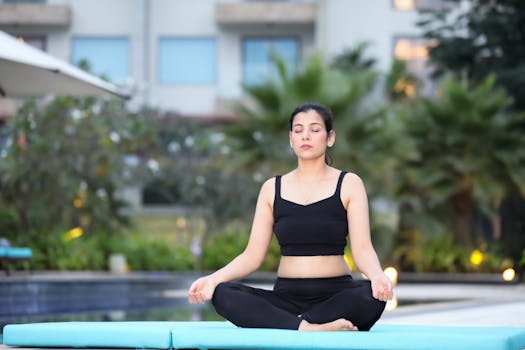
x=316, y=300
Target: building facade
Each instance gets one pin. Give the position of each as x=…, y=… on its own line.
x=193, y=57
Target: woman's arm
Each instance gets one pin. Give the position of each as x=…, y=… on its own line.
x=363, y=251
x=253, y=255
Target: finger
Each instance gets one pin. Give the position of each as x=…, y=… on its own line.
x=375, y=293
x=194, y=297
x=202, y=299
x=193, y=287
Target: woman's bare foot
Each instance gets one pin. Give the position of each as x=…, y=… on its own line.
x=337, y=325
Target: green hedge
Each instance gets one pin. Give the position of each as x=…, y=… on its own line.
x=91, y=252
x=221, y=248
x=143, y=254
x=443, y=254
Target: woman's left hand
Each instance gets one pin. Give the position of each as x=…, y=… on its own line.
x=381, y=287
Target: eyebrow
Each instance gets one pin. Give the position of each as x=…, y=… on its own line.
x=314, y=123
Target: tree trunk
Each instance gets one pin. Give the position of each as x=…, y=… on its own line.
x=462, y=202
x=495, y=219
x=404, y=210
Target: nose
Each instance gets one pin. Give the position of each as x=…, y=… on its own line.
x=306, y=135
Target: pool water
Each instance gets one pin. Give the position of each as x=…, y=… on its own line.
x=151, y=297
x=176, y=313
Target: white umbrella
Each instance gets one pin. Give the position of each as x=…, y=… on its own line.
x=27, y=71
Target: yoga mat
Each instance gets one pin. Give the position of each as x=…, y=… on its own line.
x=224, y=335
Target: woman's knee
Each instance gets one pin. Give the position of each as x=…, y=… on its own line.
x=221, y=293
x=364, y=310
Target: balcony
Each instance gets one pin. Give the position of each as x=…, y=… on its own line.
x=265, y=13
x=31, y=15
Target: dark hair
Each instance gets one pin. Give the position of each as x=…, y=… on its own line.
x=323, y=111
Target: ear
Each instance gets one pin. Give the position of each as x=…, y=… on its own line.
x=331, y=138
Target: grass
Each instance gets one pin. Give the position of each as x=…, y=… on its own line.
x=170, y=228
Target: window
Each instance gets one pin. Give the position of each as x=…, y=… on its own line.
x=414, y=51
x=107, y=57
x=257, y=57
x=187, y=61
x=410, y=49
x=409, y=5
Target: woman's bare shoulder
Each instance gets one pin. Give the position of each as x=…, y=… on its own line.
x=268, y=189
x=352, y=187
x=352, y=179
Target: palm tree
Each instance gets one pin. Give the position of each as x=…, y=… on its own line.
x=260, y=138
x=470, y=154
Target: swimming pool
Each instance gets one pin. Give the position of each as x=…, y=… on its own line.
x=98, y=297
x=104, y=297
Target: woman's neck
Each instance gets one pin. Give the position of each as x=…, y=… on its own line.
x=311, y=170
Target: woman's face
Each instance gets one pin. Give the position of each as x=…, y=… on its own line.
x=308, y=136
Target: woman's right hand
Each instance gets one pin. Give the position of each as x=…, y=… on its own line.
x=201, y=290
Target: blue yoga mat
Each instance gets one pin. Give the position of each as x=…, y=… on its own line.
x=224, y=335
x=381, y=337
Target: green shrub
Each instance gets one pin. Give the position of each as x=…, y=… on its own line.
x=443, y=254
x=273, y=256
x=52, y=251
x=9, y=225
x=143, y=254
x=91, y=252
x=222, y=248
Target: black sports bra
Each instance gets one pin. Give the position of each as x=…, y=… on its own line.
x=319, y=228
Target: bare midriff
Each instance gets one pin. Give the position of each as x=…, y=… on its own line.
x=312, y=266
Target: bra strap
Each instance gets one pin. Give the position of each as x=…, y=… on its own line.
x=340, y=182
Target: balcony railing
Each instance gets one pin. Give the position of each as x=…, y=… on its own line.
x=34, y=14
x=265, y=12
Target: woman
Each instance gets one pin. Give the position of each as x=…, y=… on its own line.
x=311, y=209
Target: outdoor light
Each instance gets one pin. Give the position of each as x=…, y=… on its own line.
x=508, y=274
x=392, y=274
x=391, y=305
x=404, y=5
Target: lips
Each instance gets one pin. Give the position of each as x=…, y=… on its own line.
x=305, y=146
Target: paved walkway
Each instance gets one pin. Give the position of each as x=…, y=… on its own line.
x=456, y=304
x=460, y=305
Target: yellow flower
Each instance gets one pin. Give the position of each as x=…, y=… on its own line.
x=349, y=261
x=78, y=203
x=476, y=257
x=73, y=233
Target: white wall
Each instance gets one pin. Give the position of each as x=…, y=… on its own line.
x=343, y=23
x=100, y=18
x=183, y=19
x=340, y=24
